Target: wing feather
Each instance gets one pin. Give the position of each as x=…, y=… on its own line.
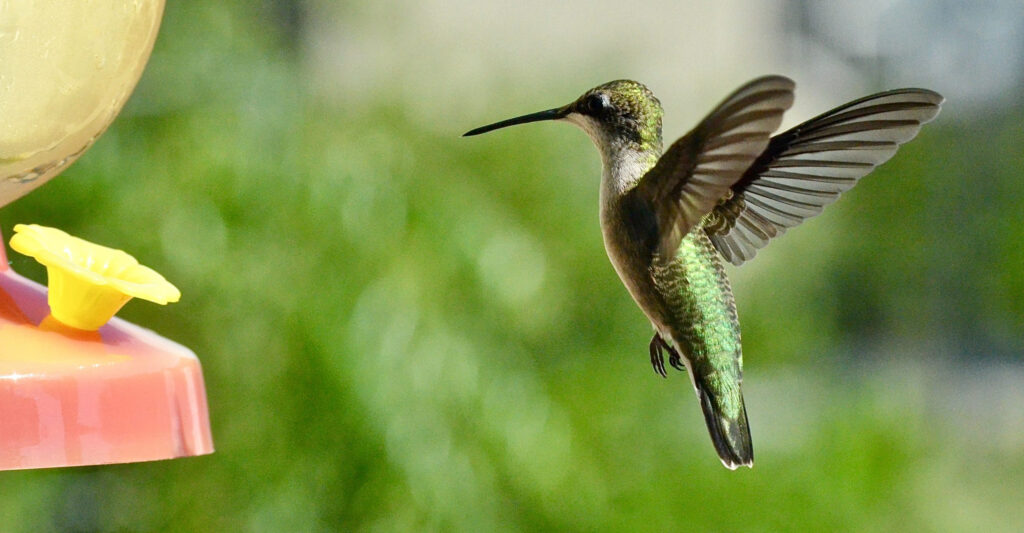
x=807, y=167
x=697, y=171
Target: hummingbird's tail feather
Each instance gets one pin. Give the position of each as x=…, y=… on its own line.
x=731, y=436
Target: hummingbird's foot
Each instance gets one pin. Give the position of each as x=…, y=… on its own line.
x=658, y=344
x=675, y=360
x=657, y=358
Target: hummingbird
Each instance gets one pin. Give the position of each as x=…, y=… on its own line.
x=670, y=219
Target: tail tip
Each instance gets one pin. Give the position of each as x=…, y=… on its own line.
x=733, y=464
x=730, y=435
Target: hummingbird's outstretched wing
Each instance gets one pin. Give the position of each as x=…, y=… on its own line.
x=809, y=166
x=693, y=175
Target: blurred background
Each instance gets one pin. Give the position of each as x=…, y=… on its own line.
x=405, y=330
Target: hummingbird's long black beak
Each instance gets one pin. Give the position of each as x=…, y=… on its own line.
x=550, y=114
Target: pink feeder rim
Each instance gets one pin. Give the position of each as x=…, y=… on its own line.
x=70, y=397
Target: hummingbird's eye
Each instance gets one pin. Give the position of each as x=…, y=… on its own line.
x=597, y=104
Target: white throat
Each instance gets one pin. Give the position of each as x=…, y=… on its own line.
x=623, y=166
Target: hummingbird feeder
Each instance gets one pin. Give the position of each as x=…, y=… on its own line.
x=77, y=385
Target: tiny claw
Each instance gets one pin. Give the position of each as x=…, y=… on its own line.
x=673, y=356
x=675, y=360
x=657, y=358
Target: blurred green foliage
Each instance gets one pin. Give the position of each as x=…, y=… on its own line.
x=402, y=330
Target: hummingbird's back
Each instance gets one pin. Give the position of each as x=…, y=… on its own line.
x=699, y=312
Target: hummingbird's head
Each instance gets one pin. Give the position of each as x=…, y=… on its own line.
x=617, y=115
x=621, y=113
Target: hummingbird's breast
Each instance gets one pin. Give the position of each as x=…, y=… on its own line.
x=687, y=297
x=630, y=232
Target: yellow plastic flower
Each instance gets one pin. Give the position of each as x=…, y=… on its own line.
x=88, y=282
